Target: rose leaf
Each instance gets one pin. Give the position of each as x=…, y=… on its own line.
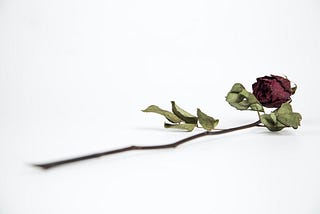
x=185, y=126
x=241, y=99
x=206, y=121
x=269, y=121
x=167, y=114
x=290, y=119
x=183, y=115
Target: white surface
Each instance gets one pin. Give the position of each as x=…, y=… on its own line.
x=74, y=76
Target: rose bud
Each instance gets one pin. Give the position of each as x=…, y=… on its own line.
x=272, y=91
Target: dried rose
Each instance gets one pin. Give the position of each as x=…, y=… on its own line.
x=272, y=91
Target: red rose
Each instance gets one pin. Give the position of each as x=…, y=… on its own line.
x=272, y=91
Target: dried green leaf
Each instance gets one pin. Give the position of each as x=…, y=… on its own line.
x=285, y=108
x=184, y=126
x=287, y=117
x=183, y=115
x=270, y=123
x=237, y=88
x=252, y=99
x=290, y=119
x=245, y=93
x=241, y=99
x=233, y=98
x=257, y=107
x=206, y=121
x=236, y=100
x=273, y=117
x=169, y=115
x=281, y=118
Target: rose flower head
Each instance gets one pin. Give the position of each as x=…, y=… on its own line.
x=272, y=91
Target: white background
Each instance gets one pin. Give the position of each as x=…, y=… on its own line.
x=74, y=76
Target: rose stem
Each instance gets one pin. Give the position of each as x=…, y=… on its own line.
x=130, y=148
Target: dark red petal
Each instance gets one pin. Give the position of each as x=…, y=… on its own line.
x=284, y=82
